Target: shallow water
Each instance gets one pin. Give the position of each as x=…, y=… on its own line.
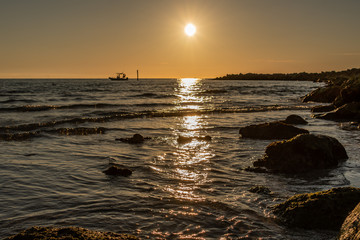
x=196, y=190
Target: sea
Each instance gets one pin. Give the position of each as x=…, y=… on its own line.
x=57, y=136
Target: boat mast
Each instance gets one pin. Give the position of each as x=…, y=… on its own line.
x=137, y=74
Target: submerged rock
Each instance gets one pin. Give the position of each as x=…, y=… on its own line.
x=302, y=153
x=117, y=171
x=68, y=233
x=350, y=229
x=319, y=210
x=18, y=136
x=295, y=119
x=260, y=189
x=80, y=131
x=272, y=130
x=137, y=138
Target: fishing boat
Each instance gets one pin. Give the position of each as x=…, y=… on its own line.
x=119, y=77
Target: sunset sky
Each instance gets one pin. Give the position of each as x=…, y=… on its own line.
x=96, y=38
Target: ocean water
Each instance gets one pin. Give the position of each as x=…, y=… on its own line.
x=51, y=169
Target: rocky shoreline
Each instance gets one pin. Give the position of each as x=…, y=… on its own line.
x=295, y=150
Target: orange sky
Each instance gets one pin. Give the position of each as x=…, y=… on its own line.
x=95, y=39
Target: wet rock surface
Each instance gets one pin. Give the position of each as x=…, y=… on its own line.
x=272, y=130
x=324, y=94
x=347, y=112
x=302, y=153
x=350, y=229
x=260, y=190
x=67, y=233
x=319, y=210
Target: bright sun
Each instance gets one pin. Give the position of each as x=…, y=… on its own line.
x=190, y=29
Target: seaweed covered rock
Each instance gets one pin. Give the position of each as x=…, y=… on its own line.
x=302, y=153
x=295, y=119
x=319, y=210
x=324, y=94
x=260, y=190
x=347, y=112
x=350, y=229
x=118, y=171
x=65, y=233
x=272, y=130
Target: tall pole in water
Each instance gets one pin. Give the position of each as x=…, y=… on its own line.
x=137, y=74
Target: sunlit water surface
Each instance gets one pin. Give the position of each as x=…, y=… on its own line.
x=192, y=190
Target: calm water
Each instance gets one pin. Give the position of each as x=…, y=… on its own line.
x=196, y=190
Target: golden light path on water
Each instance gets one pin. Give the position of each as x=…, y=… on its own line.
x=191, y=158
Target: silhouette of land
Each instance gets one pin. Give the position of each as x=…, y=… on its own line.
x=302, y=76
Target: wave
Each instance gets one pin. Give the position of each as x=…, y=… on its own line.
x=115, y=116
x=153, y=95
x=60, y=131
x=35, y=108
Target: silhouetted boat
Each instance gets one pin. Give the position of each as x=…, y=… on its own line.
x=119, y=77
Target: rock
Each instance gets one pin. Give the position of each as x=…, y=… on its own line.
x=323, y=108
x=319, y=210
x=260, y=189
x=350, y=229
x=324, y=94
x=347, y=112
x=184, y=140
x=67, y=233
x=302, y=153
x=350, y=91
x=79, y=131
x=136, y=139
x=350, y=126
x=255, y=169
x=295, y=119
x=117, y=171
x=272, y=130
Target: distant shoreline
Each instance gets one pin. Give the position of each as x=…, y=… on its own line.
x=303, y=76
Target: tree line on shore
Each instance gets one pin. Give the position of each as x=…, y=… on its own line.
x=302, y=76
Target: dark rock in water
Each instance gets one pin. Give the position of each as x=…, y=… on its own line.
x=272, y=130
x=350, y=91
x=137, y=138
x=319, y=210
x=350, y=126
x=350, y=229
x=295, y=119
x=260, y=189
x=184, y=140
x=347, y=112
x=302, y=153
x=325, y=94
x=256, y=169
x=68, y=233
x=117, y=171
x=323, y=108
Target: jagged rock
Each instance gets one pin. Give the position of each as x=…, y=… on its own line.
x=302, y=153
x=68, y=233
x=117, y=171
x=295, y=119
x=272, y=130
x=323, y=108
x=184, y=140
x=347, y=112
x=324, y=94
x=319, y=210
x=137, y=138
x=260, y=189
x=350, y=229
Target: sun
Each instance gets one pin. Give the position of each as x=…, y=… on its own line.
x=190, y=29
